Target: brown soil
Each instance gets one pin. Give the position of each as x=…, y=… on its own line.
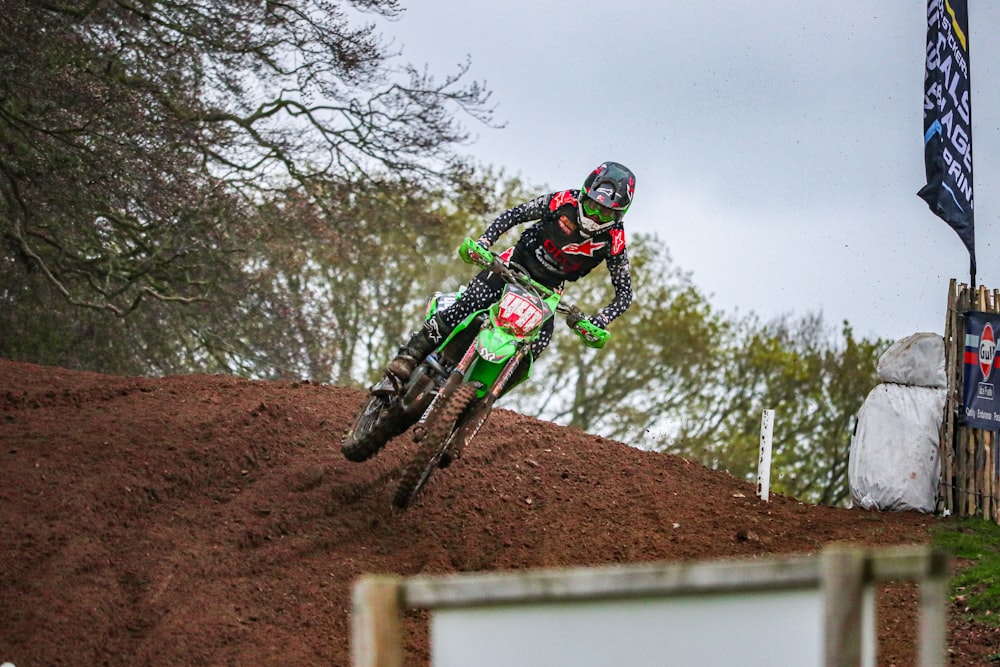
x=208, y=520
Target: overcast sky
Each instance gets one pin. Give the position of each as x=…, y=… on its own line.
x=778, y=147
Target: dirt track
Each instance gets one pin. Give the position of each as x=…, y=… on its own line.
x=207, y=520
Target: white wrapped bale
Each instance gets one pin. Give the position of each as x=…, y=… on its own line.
x=894, y=463
x=917, y=360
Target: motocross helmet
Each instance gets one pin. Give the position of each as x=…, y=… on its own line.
x=605, y=196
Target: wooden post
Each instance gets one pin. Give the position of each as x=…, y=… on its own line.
x=843, y=573
x=946, y=444
x=966, y=453
x=988, y=475
x=961, y=481
x=932, y=623
x=980, y=472
x=985, y=475
x=764, y=459
x=376, y=623
x=970, y=472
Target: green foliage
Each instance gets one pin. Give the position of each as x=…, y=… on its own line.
x=813, y=380
x=976, y=585
x=660, y=350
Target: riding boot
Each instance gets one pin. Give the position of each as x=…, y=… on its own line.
x=419, y=346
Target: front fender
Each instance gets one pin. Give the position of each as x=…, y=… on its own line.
x=494, y=351
x=495, y=346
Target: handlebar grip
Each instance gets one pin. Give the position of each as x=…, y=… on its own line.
x=473, y=253
x=592, y=335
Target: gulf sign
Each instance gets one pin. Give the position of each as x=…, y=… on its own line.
x=987, y=350
x=980, y=399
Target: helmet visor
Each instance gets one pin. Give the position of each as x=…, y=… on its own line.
x=599, y=212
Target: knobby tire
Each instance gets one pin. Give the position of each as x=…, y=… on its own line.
x=473, y=420
x=425, y=459
x=378, y=422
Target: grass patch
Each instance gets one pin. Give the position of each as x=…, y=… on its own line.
x=976, y=586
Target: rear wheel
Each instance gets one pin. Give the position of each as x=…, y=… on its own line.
x=379, y=421
x=439, y=430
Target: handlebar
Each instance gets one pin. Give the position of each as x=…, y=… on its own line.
x=472, y=253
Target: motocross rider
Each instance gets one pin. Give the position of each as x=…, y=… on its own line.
x=575, y=231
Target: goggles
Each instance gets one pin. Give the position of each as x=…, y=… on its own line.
x=592, y=210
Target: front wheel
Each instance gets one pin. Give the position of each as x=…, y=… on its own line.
x=473, y=420
x=379, y=421
x=439, y=430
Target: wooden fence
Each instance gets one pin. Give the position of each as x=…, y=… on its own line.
x=801, y=610
x=970, y=478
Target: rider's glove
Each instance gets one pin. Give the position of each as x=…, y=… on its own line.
x=599, y=321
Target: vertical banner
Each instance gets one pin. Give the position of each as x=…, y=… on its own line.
x=948, y=121
x=979, y=377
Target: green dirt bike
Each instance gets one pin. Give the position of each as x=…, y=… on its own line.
x=451, y=392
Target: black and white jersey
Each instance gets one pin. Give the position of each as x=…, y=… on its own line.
x=553, y=249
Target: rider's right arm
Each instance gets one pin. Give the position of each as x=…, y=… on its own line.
x=526, y=212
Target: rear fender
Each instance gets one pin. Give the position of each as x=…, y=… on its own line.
x=385, y=387
x=419, y=392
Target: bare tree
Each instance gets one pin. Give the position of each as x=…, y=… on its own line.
x=137, y=136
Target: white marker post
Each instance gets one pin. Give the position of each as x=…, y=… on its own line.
x=764, y=462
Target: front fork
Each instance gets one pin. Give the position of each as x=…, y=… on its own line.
x=507, y=373
x=458, y=375
x=455, y=379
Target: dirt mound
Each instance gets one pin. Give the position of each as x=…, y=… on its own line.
x=208, y=520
